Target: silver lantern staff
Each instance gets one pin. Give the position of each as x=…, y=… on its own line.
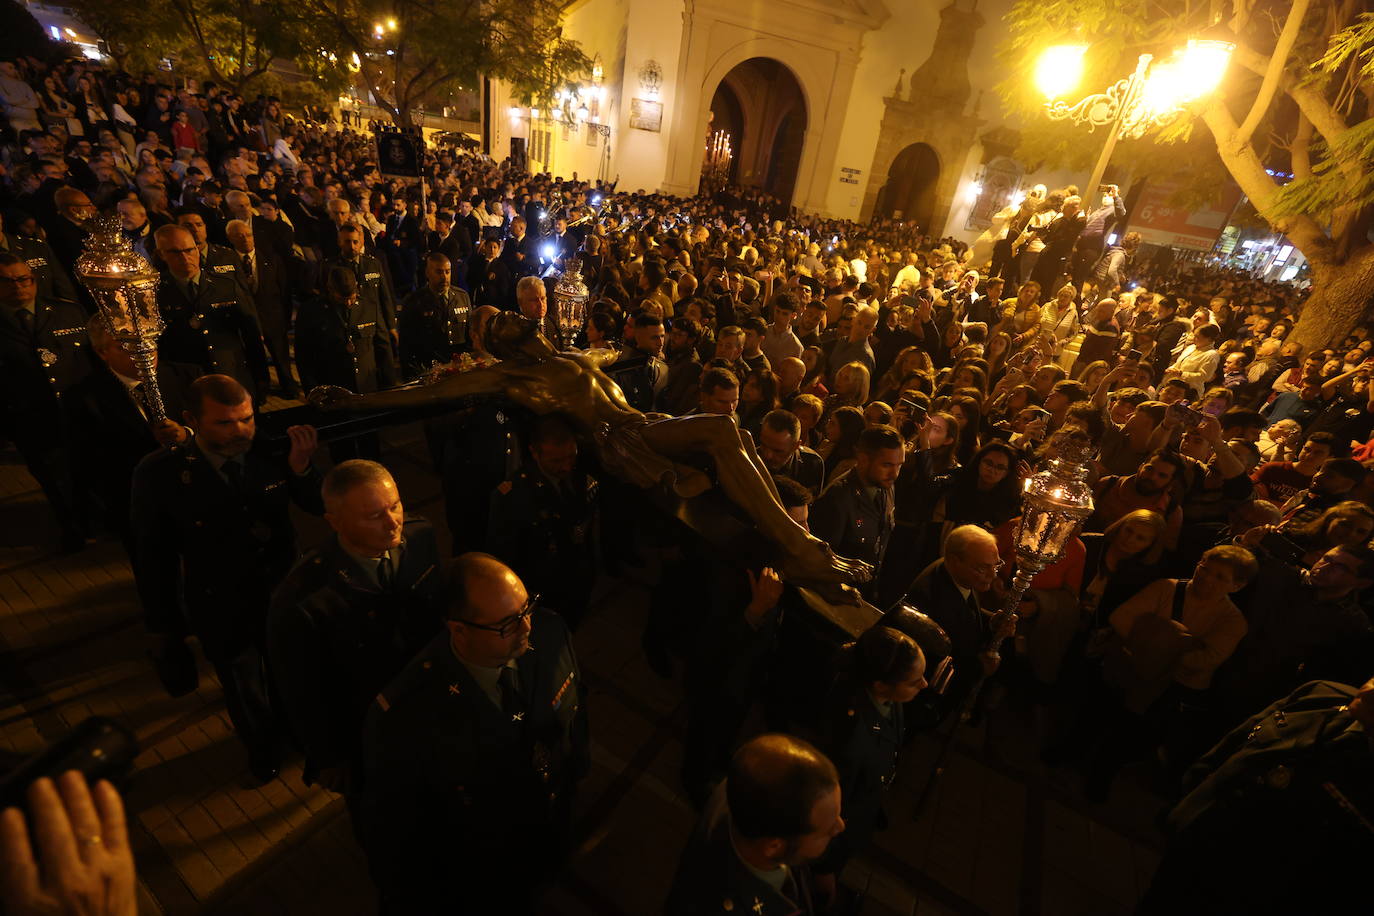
x=124, y=287
x=1055, y=504
x=570, y=304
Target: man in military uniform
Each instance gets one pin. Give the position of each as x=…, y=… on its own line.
x=374, y=292
x=209, y=321
x=433, y=319
x=473, y=753
x=776, y=812
x=43, y=353
x=854, y=514
x=542, y=521
x=341, y=338
x=352, y=613
x=212, y=537
x=53, y=281
x=779, y=445
x=214, y=259
x=1279, y=816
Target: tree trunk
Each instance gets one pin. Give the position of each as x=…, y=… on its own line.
x=1341, y=295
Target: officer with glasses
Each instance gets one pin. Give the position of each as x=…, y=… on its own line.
x=473, y=752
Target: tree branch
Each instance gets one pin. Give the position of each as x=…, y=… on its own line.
x=1246, y=167
x=1273, y=73
x=1300, y=152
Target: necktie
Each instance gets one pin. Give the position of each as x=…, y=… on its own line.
x=248, y=271
x=140, y=396
x=386, y=573
x=192, y=288
x=25, y=322
x=511, y=703
x=233, y=470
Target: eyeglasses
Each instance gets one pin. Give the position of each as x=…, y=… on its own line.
x=507, y=627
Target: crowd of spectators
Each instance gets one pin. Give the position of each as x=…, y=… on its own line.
x=899, y=388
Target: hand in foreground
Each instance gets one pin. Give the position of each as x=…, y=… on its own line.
x=766, y=589
x=169, y=432
x=304, y=441
x=82, y=863
x=325, y=396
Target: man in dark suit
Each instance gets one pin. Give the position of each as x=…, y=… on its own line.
x=521, y=251
x=266, y=280
x=947, y=591
x=1168, y=330
x=43, y=354
x=111, y=420
x=274, y=235
x=67, y=233
x=210, y=322
x=468, y=220
x=268, y=225
x=52, y=278
x=489, y=279
x=451, y=240
x=212, y=537
x=350, y=616
x=433, y=319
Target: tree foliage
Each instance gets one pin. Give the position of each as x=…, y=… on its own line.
x=408, y=52
x=1298, y=97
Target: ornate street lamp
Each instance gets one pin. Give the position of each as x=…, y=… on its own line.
x=1056, y=502
x=1150, y=97
x=124, y=287
x=570, y=304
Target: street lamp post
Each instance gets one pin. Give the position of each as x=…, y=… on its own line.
x=1152, y=96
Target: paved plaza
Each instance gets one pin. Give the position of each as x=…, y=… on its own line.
x=1000, y=835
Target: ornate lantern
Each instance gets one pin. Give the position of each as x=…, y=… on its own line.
x=570, y=304
x=1055, y=504
x=124, y=287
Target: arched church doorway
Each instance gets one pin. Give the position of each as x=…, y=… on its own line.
x=909, y=193
x=757, y=129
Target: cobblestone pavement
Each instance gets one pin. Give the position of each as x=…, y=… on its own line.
x=999, y=835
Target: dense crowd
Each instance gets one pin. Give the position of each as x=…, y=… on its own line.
x=897, y=390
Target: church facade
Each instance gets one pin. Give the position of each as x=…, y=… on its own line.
x=808, y=99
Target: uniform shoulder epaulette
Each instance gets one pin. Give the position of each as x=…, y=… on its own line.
x=413, y=680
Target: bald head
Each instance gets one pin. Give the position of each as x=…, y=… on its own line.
x=488, y=610
x=774, y=784
x=971, y=557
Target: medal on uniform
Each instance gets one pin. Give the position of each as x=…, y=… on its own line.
x=46, y=356
x=541, y=760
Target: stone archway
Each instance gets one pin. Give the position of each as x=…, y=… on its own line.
x=817, y=41
x=760, y=107
x=909, y=193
